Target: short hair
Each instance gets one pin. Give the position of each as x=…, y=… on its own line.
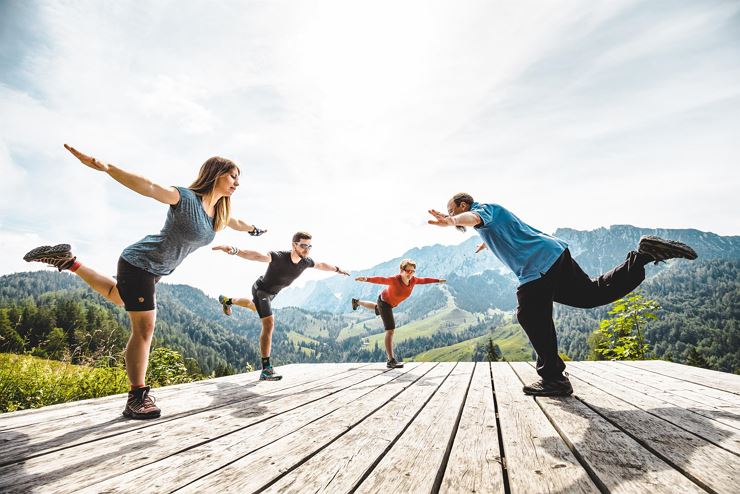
x=461, y=197
x=299, y=235
x=406, y=263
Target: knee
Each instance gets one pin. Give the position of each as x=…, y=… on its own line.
x=143, y=330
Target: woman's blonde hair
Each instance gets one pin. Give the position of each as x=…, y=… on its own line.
x=209, y=172
x=406, y=263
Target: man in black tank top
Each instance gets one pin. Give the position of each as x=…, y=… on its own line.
x=284, y=267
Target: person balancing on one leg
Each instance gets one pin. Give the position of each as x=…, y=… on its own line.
x=284, y=267
x=547, y=273
x=399, y=288
x=194, y=216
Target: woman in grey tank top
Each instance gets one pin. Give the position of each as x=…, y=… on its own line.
x=195, y=214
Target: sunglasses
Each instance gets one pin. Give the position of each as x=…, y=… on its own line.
x=410, y=271
x=303, y=246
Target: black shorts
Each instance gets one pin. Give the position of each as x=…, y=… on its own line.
x=262, y=300
x=136, y=287
x=385, y=311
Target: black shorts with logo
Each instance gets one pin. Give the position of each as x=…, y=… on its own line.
x=136, y=287
x=385, y=311
x=262, y=300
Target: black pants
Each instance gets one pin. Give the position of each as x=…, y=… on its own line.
x=567, y=284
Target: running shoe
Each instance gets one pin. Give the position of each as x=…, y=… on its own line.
x=225, y=304
x=660, y=249
x=269, y=374
x=140, y=405
x=58, y=256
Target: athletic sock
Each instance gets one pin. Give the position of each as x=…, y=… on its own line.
x=75, y=266
x=266, y=362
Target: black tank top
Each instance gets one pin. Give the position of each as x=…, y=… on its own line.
x=281, y=271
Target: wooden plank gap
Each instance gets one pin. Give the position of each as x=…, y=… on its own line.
x=643, y=443
x=225, y=465
x=448, y=450
x=585, y=464
x=692, y=379
x=380, y=457
x=309, y=456
x=502, y=452
x=676, y=423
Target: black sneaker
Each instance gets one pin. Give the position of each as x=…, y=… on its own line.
x=140, y=405
x=58, y=256
x=560, y=387
x=355, y=303
x=394, y=364
x=660, y=249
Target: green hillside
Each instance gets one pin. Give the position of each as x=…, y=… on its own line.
x=510, y=338
x=450, y=319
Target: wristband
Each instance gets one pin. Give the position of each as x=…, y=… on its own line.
x=233, y=250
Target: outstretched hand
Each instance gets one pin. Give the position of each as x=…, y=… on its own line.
x=481, y=247
x=257, y=232
x=225, y=248
x=87, y=160
x=440, y=219
x=361, y=278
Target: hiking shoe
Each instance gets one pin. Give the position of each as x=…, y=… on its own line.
x=394, y=364
x=225, y=304
x=58, y=256
x=559, y=387
x=660, y=249
x=140, y=405
x=355, y=303
x=269, y=374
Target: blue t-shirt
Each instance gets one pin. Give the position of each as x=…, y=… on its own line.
x=187, y=228
x=528, y=252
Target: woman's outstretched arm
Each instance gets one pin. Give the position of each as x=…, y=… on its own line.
x=137, y=183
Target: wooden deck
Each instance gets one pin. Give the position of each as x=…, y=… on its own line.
x=630, y=427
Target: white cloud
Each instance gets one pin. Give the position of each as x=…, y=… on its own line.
x=351, y=119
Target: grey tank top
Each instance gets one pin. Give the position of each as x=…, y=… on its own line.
x=187, y=228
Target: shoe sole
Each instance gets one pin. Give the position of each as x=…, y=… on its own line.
x=656, y=246
x=46, y=251
x=141, y=416
x=549, y=393
x=270, y=378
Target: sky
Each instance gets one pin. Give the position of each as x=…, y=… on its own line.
x=351, y=119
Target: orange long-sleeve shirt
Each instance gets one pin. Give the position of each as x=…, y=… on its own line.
x=397, y=291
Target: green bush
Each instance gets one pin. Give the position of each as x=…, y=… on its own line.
x=32, y=382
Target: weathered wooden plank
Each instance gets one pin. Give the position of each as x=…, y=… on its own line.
x=711, y=467
x=677, y=384
x=113, y=404
x=189, y=465
x=385, y=421
x=416, y=459
x=42, y=438
x=342, y=463
x=706, y=377
x=690, y=394
x=74, y=467
x=537, y=459
x=665, y=389
x=621, y=464
x=475, y=463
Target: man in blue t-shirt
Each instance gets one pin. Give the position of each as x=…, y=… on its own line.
x=547, y=273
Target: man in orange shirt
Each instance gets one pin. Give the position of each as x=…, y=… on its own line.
x=399, y=288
